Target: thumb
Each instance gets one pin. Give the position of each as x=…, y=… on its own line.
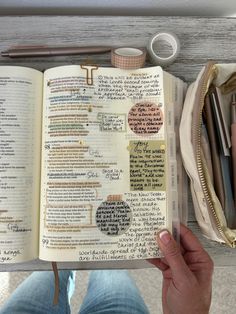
x=173, y=256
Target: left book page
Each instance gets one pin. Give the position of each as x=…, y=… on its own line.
x=20, y=141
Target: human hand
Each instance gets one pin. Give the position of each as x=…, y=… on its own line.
x=187, y=274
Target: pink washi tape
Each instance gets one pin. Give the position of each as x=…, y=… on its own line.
x=128, y=58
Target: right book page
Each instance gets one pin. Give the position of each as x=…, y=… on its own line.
x=105, y=185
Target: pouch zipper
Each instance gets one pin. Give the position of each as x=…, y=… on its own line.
x=208, y=75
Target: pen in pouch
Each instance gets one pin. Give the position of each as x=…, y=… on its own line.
x=225, y=164
x=214, y=148
x=233, y=141
x=205, y=144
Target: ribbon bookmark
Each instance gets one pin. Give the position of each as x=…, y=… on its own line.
x=57, y=283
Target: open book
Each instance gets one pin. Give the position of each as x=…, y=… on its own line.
x=87, y=162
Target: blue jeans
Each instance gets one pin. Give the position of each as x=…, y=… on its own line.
x=109, y=291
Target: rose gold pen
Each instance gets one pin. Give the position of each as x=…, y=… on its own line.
x=52, y=51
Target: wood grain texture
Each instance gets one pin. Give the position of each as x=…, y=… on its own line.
x=201, y=39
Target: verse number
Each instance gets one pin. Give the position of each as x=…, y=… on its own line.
x=45, y=242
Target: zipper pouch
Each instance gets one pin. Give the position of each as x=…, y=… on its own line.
x=209, y=166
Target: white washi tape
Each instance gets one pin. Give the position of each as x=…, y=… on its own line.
x=161, y=37
x=128, y=57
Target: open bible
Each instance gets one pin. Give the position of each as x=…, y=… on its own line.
x=87, y=162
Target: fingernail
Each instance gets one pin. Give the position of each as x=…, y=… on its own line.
x=165, y=237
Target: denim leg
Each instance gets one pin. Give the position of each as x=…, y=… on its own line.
x=112, y=291
x=35, y=294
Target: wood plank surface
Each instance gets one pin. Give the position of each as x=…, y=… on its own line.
x=201, y=39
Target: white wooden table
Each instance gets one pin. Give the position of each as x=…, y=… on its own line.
x=201, y=39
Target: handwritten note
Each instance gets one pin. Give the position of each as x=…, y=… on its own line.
x=113, y=217
x=145, y=118
x=111, y=122
x=147, y=165
x=130, y=86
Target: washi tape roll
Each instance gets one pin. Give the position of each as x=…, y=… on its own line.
x=128, y=58
x=154, y=48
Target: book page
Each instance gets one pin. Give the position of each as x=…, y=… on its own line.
x=104, y=179
x=20, y=141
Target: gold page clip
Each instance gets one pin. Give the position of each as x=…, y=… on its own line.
x=89, y=72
